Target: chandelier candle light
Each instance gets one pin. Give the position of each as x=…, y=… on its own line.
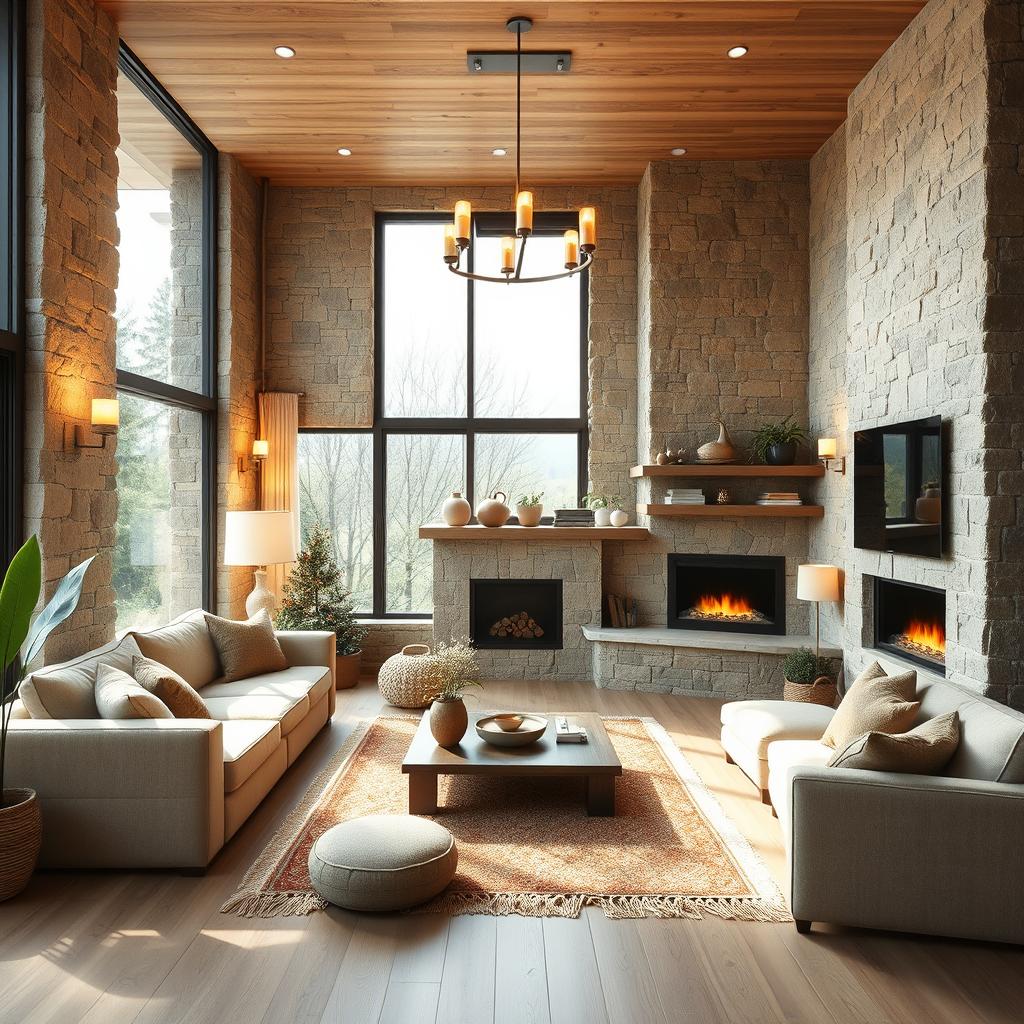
x=457, y=234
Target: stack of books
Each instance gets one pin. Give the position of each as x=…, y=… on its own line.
x=684, y=496
x=779, y=498
x=568, y=730
x=622, y=611
x=574, y=517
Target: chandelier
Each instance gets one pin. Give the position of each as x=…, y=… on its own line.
x=579, y=245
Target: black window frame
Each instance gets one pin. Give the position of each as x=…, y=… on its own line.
x=204, y=403
x=469, y=426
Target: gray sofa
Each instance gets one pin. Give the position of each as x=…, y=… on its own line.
x=169, y=792
x=930, y=854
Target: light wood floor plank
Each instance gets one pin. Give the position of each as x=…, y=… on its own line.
x=630, y=992
x=410, y=1002
x=362, y=983
x=422, y=945
x=521, y=983
x=574, y=979
x=467, y=986
x=685, y=995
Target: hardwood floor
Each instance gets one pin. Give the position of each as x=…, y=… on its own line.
x=110, y=947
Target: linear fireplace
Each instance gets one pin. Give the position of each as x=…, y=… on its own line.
x=910, y=621
x=731, y=593
x=516, y=614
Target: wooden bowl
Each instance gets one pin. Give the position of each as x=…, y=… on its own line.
x=531, y=730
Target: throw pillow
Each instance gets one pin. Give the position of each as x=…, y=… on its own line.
x=925, y=750
x=118, y=696
x=170, y=688
x=185, y=646
x=61, y=695
x=875, y=703
x=246, y=648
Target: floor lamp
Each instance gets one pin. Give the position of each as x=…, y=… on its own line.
x=817, y=583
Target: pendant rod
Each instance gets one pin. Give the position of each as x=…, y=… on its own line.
x=519, y=89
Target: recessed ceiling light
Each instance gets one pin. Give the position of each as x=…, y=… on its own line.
x=499, y=152
x=284, y=51
x=679, y=151
x=344, y=151
x=738, y=51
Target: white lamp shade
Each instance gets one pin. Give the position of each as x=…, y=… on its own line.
x=105, y=416
x=817, y=582
x=258, y=538
x=826, y=447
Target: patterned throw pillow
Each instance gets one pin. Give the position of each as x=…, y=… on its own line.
x=875, y=703
x=170, y=688
x=118, y=696
x=925, y=750
x=246, y=648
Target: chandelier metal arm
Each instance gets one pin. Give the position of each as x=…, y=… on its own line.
x=588, y=258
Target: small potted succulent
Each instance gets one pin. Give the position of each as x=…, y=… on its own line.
x=809, y=678
x=776, y=443
x=602, y=505
x=453, y=671
x=529, y=509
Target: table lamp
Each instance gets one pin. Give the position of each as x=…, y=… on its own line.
x=259, y=539
x=817, y=583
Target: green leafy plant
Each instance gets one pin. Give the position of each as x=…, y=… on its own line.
x=314, y=597
x=771, y=434
x=803, y=666
x=530, y=500
x=596, y=501
x=454, y=670
x=19, y=594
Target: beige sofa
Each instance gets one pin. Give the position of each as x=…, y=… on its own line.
x=169, y=792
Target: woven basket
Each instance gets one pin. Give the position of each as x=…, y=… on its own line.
x=822, y=691
x=406, y=678
x=21, y=835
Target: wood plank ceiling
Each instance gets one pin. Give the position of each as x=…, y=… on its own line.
x=389, y=81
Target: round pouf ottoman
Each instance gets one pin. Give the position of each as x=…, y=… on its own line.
x=383, y=862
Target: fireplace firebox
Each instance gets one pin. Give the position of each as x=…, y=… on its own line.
x=516, y=614
x=910, y=621
x=730, y=593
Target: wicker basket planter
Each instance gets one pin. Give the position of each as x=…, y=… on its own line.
x=406, y=679
x=346, y=670
x=822, y=691
x=21, y=835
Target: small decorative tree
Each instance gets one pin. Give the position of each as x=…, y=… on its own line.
x=314, y=597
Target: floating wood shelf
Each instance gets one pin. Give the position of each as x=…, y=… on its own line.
x=737, y=511
x=550, y=534
x=817, y=470
x=700, y=639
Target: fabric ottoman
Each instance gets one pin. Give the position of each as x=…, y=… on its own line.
x=382, y=862
x=749, y=726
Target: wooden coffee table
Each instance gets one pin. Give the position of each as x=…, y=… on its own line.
x=595, y=761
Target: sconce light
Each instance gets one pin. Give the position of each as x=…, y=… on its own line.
x=827, y=455
x=105, y=420
x=260, y=451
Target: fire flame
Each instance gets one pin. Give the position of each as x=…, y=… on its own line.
x=927, y=634
x=726, y=605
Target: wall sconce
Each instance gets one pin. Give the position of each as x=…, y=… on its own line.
x=260, y=451
x=827, y=455
x=105, y=419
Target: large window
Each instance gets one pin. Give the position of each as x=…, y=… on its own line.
x=478, y=388
x=165, y=342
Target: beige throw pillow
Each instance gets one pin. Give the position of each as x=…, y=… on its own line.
x=184, y=646
x=118, y=696
x=925, y=750
x=875, y=703
x=62, y=695
x=170, y=688
x=246, y=648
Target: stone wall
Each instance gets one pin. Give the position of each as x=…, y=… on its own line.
x=71, y=273
x=390, y=636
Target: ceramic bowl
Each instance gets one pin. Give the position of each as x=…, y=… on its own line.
x=509, y=722
x=530, y=730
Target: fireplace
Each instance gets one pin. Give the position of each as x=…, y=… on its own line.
x=515, y=615
x=910, y=621
x=729, y=593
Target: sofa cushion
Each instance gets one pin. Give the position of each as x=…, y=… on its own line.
x=185, y=646
x=247, y=744
x=312, y=679
x=247, y=648
x=924, y=750
x=783, y=757
x=119, y=697
x=289, y=711
x=874, y=703
x=168, y=686
x=757, y=723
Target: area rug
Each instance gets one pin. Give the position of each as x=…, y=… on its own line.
x=527, y=846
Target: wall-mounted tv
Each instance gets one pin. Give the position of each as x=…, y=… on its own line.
x=898, y=488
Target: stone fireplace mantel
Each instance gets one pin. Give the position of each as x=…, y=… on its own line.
x=556, y=534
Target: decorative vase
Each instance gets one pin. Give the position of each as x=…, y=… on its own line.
x=492, y=512
x=618, y=517
x=261, y=596
x=456, y=511
x=407, y=678
x=722, y=450
x=661, y=458
x=448, y=721
x=928, y=508
x=602, y=517
x=723, y=498
x=346, y=670
x=21, y=835
x=781, y=454
x=529, y=515
x=822, y=691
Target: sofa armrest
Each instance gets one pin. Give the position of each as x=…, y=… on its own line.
x=907, y=852
x=309, y=647
x=132, y=794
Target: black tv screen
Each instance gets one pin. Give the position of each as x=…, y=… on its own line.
x=898, y=485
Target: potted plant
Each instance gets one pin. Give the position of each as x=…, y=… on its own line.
x=21, y=830
x=602, y=505
x=454, y=671
x=529, y=509
x=809, y=678
x=314, y=598
x=776, y=443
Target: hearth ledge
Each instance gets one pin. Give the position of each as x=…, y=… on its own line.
x=705, y=640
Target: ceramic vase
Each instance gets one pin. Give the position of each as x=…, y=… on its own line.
x=448, y=721
x=721, y=450
x=529, y=515
x=492, y=512
x=602, y=517
x=619, y=518
x=456, y=511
